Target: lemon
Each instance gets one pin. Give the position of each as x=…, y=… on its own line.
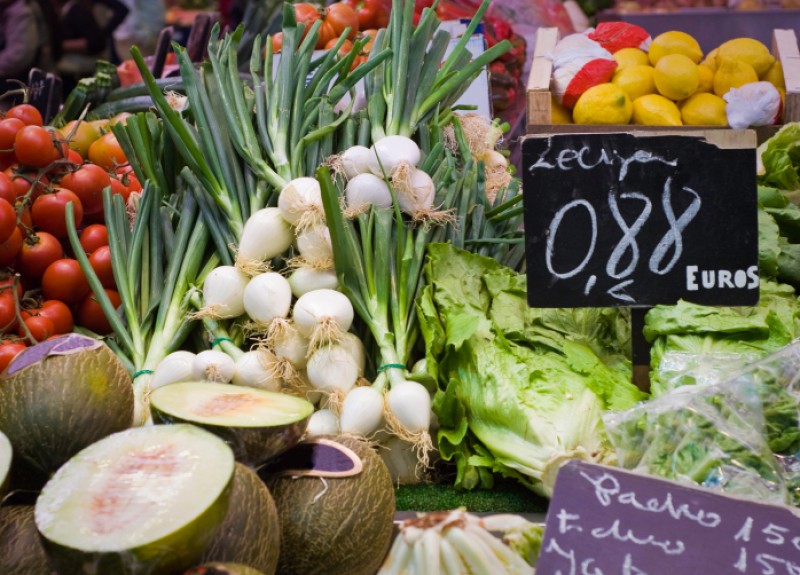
x=749, y=51
x=706, y=76
x=558, y=113
x=676, y=76
x=775, y=75
x=704, y=110
x=655, y=110
x=630, y=57
x=711, y=60
x=674, y=42
x=635, y=80
x=732, y=74
x=603, y=104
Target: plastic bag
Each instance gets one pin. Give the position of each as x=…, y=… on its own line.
x=754, y=104
x=578, y=64
x=614, y=36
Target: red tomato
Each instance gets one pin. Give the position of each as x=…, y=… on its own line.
x=90, y=315
x=100, y=260
x=305, y=14
x=34, y=146
x=8, y=131
x=120, y=189
x=8, y=220
x=371, y=13
x=277, y=42
x=24, y=220
x=127, y=176
x=88, y=182
x=74, y=157
x=8, y=314
x=335, y=18
x=8, y=351
x=59, y=313
x=93, y=237
x=39, y=326
x=7, y=286
x=8, y=190
x=10, y=248
x=38, y=251
x=27, y=113
x=26, y=182
x=49, y=212
x=106, y=152
x=64, y=280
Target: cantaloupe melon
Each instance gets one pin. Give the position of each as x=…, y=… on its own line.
x=21, y=551
x=250, y=534
x=335, y=526
x=58, y=397
x=146, y=500
x=257, y=424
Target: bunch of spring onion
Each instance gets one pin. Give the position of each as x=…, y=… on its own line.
x=156, y=260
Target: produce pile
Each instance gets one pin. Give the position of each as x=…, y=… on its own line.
x=617, y=74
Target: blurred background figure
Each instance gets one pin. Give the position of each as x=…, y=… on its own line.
x=25, y=40
x=141, y=28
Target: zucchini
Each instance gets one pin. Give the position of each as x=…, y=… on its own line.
x=111, y=109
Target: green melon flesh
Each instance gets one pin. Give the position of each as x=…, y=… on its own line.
x=223, y=569
x=250, y=534
x=146, y=500
x=21, y=551
x=343, y=526
x=5, y=463
x=257, y=424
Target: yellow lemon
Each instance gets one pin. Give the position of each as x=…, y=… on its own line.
x=635, y=80
x=655, y=110
x=674, y=42
x=603, y=104
x=704, y=110
x=630, y=57
x=558, y=113
x=706, y=75
x=676, y=76
x=749, y=51
x=775, y=75
x=732, y=74
x=711, y=60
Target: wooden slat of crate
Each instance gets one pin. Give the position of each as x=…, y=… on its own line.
x=784, y=48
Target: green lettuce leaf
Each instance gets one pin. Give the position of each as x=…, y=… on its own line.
x=780, y=156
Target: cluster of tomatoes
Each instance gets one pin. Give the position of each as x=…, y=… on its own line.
x=43, y=290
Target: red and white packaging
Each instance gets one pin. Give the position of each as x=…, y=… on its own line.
x=614, y=36
x=579, y=63
x=754, y=104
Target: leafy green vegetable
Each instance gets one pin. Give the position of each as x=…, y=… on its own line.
x=780, y=156
x=520, y=390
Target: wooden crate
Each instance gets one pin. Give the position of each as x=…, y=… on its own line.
x=784, y=48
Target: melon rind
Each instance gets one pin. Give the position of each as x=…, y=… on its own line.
x=255, y=437
x=172, y=514
x=339, y=526
x=223, y=569
x=55, y=407
x=250, y=534
x=6, y=454
x=21, y=551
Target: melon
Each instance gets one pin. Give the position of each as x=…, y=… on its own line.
x=338, y=525
x=222, y=569
x=250, y=534
x=58, y=397
x=21, y=551
x=146, y=500
x=6, y=452
x=257, y=424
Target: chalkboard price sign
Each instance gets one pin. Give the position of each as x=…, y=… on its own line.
x=616, y=219
x=606, y=521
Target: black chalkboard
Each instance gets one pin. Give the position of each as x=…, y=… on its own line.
x=616, y=219
x=606, y=521
x=45, y=93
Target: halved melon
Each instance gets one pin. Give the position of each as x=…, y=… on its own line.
x=222, y=569
x=143, y=501
x=257, y=424
x=21, y=551
x=5, y=463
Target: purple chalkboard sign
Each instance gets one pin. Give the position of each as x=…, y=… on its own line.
x=606, y=521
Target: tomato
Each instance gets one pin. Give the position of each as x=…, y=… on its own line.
x=24, y=219
x=93, y=237
x=27, y=113
x=8, y=131
x=277, y=42
x=91, y=316
x=39, y=327
x=88, y=182
x=26, y=182
x=10, y=248
x=79, y=135
x=344, y=50
x=37, y=253
x=335, y=18
x=8, y=190
x=371, y=13
x=117, y=187
x=59, y=313
x=34, y=146
x=49, y=212
x=7, y=287
x=8, y=314
x=305, y=14
x=8, y=351
x=106, y=152
x=126, y=175
x=64, y=280
x=100, y=260
x=8, y=220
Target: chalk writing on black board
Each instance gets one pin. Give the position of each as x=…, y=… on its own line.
x=610, y=223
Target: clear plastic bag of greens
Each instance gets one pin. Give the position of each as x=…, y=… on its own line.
x=712, y=436
x=679, y=368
